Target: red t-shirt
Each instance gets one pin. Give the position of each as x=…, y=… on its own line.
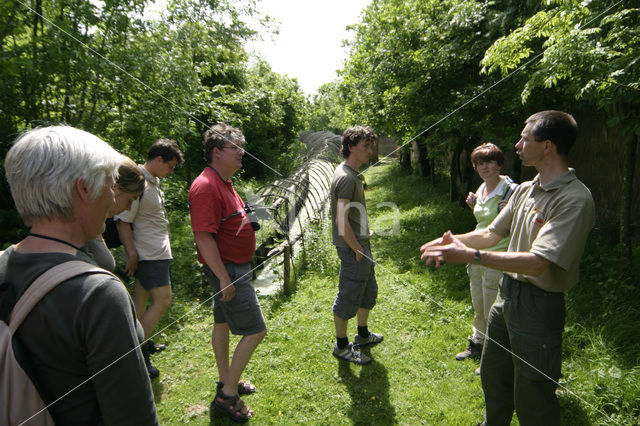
x=210, y=200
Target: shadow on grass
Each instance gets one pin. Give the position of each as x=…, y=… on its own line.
x=157, y=388
x=423, y=216
x=572, y=410
x=369, y=393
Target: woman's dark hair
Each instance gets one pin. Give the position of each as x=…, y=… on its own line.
x=487, y=152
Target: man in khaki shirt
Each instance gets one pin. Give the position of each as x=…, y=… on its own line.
x=548, y=221
x=144, y=232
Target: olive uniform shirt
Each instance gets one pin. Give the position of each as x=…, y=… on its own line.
x=552, y=221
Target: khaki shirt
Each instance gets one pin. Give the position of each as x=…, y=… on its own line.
x=150, y=223
x=552, y=221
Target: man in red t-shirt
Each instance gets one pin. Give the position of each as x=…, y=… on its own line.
x=225, y=241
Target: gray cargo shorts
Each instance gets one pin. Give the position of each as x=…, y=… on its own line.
x=357, y=286
x=242, y=313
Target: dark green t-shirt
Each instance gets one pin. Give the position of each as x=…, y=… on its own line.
x=84, y=325
x=347, y=184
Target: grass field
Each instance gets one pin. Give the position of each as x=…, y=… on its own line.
x=425, y=315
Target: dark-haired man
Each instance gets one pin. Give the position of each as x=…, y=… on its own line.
x=226, y=242
x=548, y=221
x=147, y=245
x=357, y=286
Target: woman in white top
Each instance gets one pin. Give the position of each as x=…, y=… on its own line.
x=128, y=188
x=486, y=202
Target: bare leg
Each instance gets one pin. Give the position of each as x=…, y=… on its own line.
x=363, y=316
x=220, y=345
x=241, y=357
x=140, y=297
x=160, y=302
x=341, y=326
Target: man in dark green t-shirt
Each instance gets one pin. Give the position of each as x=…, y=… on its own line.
x=357, y=287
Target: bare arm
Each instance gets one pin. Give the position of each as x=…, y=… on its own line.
x=344, y=228
x=211, y=254
x=452, y=249
x=478, y=239
x=126, y=237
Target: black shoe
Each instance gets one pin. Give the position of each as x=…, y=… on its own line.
x=473, y=350
x=151, y=370
x=154, y=348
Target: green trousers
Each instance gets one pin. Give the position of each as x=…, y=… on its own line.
x=521, y=359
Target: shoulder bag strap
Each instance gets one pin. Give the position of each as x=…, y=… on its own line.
x=44, y=284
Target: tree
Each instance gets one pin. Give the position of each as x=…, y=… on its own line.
x=591, y=52
x=414, y=69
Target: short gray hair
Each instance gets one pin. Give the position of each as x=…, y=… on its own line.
x=43, y=165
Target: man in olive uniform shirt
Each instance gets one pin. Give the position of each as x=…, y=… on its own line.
x=548, y=221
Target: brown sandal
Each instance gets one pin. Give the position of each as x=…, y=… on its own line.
x=245, y=387
x=232, y=406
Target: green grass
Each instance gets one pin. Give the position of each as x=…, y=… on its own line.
x=425, y=315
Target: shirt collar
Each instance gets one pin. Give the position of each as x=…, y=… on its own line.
x=557, y=182
x=498, y=190
x=149, y=177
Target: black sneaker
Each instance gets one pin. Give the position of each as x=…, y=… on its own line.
x=151, y=370
x=154, y=347
x=473, y=350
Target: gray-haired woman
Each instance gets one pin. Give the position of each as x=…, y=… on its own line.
x=81, y=338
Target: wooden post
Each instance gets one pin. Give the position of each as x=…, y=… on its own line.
x=286, y=270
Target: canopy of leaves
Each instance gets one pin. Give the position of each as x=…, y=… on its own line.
x=590, y=51
x=414, y=66
x=106, y=67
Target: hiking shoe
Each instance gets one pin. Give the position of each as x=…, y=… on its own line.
x=151, y=370
x=154, y=347
x=372, y=339
x=473, y=350
x=477, y=371
x=351, y=353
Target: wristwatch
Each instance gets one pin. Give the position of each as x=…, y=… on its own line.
x=476, y=257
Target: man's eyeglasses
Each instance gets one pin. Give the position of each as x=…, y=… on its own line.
x=236, y=148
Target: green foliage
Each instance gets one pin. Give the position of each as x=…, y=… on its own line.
x=413, y=62
x=320, y=255
x=327, y=111
x=102, y=67
x=589, y=51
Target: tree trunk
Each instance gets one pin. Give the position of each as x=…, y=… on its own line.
x=34, y=84
x=432, y=168
x=628, y=171
x=405, y=158
x=423, y=162
x=454, y=173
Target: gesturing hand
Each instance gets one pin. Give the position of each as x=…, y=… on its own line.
x=446, y=248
